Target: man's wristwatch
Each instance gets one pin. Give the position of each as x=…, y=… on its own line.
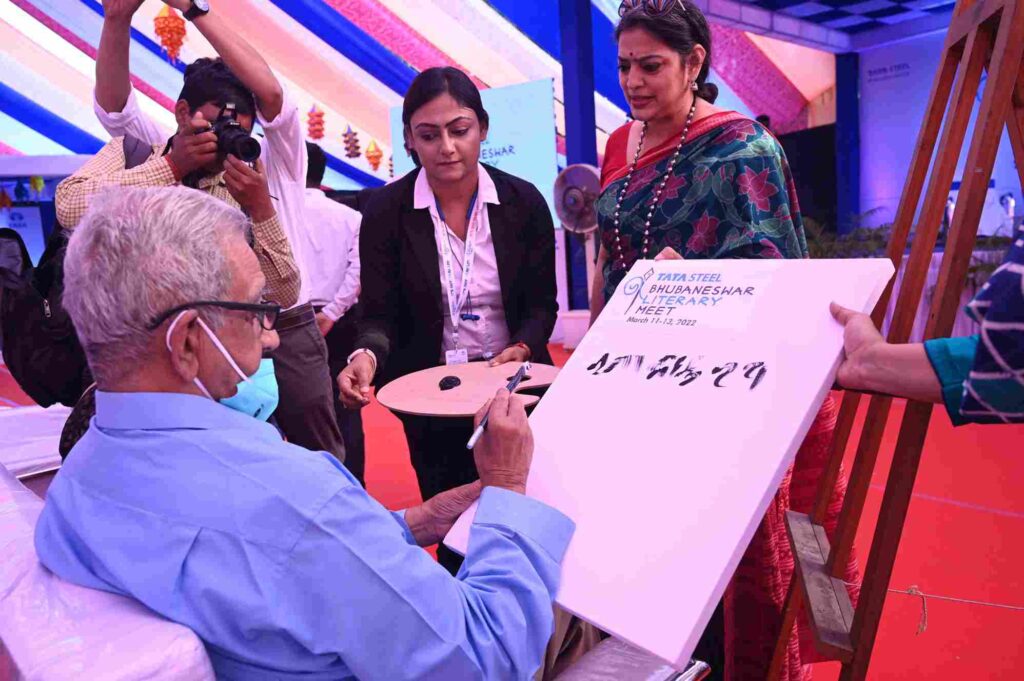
x=199, y=8
x=364, y=351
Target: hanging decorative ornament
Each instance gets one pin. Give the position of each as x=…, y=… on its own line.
x=391, y=166
x=374, y=155
x=5, y=199
x=20, y=191
x=351, y=143
x=315, y=123
x=37, y=183
x=170, y=28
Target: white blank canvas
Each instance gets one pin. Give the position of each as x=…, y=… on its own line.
x=668, y=473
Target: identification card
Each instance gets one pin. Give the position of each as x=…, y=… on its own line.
x=458, y=356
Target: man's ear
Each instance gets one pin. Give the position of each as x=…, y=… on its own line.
x=183, y=115
x=184, y=346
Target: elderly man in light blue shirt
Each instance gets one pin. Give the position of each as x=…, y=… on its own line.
x=271, y=553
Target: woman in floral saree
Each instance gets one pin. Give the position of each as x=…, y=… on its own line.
x=690, y=180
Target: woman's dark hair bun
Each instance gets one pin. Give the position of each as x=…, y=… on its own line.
x=708, y=92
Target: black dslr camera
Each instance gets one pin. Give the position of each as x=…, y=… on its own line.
x=232, y=137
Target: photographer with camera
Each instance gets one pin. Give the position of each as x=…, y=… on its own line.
x=213, y=151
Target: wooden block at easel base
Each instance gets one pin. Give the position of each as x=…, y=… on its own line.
x=420, y=394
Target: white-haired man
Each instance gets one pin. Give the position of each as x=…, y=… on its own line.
x=272, y=554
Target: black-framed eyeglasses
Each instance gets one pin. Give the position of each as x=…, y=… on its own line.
x=655, y=8
x=266, y=313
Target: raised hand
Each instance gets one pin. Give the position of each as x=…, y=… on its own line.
x=114, y=10
x=180, y=5
x=248, y=186
x=194, y=146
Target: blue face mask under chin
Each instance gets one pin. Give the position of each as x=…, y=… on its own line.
x=258, y=396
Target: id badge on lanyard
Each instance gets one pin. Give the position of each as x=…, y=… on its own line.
x=458, y=295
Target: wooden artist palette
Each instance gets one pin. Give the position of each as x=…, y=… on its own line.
x=420, y=393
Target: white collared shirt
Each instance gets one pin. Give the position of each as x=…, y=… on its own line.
x=283, y=155
x=332, y=253
x=489, y=335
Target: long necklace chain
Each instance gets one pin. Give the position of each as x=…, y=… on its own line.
x=618, y=258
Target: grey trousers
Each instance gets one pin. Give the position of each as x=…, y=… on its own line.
x=305, y=413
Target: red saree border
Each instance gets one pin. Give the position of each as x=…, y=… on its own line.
x=663, y=150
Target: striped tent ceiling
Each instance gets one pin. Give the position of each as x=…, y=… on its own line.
x=353, y=60
x=857, y=16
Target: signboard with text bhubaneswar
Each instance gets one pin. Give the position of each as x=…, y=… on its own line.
x=702, y=377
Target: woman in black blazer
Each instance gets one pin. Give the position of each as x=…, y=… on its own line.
x=418, y=235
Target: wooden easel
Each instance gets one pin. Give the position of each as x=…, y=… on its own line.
x=983, y=35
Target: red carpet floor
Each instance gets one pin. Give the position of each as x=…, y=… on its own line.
x=964, y=538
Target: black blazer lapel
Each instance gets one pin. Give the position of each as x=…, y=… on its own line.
x=419, y=229
x=506, y=250
x=506, y=232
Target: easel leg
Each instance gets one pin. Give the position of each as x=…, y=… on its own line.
x=1015, y=127
x=995, y=112
x=942, y=88
x=974, y=56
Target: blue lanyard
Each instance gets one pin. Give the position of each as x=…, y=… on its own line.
x=469, y=212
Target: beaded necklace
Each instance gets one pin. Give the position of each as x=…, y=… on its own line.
x=618, y=259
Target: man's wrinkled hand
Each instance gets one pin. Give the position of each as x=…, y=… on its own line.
x=432, y=520
x=504, y=453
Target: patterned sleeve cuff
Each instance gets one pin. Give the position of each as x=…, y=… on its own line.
x=951, y=359
x=276, y=261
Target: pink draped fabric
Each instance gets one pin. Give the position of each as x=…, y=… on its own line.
x=762, y=86
x=397, y=36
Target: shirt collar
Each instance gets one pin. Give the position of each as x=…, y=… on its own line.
x=168, y=411
x=211, y=181
x=423, y=196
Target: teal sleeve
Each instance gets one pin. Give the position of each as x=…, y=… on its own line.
x=951, y=358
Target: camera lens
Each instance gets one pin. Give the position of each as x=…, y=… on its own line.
x=235, y=141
